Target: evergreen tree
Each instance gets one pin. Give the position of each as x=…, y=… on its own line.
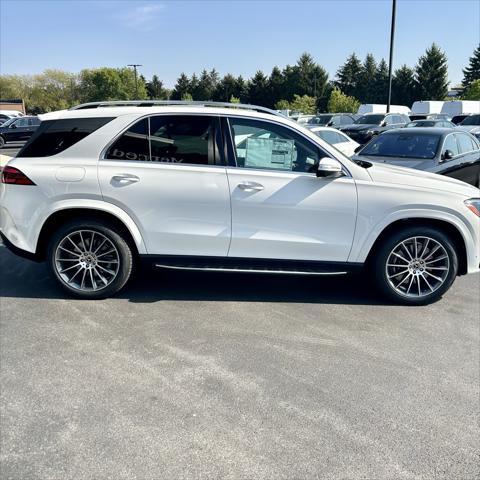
x=226, y=88
x=349, y=75
x=367, y=87
x=155, y=90
x=472, y=72
x=311, y=77
x=258, y=89
x=431, y=74
x=276, y=86
x=404, y=87
x=181, y=88
x=380, y=94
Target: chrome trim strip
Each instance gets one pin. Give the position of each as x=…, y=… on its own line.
x=242, y=270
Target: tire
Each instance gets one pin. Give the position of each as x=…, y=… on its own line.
x=411, y=278
x=2, y=142
x=90, y=270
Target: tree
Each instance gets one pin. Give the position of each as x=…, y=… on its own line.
x=181, y=88
x=234, y=99
x=103, y=84
x=304, y=104
x=404, y=86
x=431, y=74
x=339, y=102
x=472, y=92
x=155, y=89
x=258, y=89
x=472, y=72
x=311, y=77
x=187, y=97
x=226, y=88
x=349, y=75
x=367, y=83
x=282, y=105
x=380, y=92
x=276, y=86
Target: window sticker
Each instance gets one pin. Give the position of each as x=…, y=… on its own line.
x=269, y=153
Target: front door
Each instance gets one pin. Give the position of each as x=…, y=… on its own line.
x=164, y=171
x=280, y=209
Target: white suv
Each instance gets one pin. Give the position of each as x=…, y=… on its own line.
x=203, y=186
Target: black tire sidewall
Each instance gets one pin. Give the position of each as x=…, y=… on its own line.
x=124, y=251
x=2, y=142
x=384, y=251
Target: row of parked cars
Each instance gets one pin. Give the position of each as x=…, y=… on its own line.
x=428, y=142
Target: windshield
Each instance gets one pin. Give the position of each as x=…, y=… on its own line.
x=370, y=119
x=422, y=123
x=9, y=122
x=472, y=120
x=320, y=120
x=403, y=145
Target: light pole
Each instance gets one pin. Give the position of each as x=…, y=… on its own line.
x=392, y=35
x=135, y=65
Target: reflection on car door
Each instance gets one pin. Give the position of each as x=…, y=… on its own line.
x=166, y=173
x=465, y=165
x=280, y=209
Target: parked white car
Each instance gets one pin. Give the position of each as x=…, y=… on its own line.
x=101, y=187
x=381, y=108
x=336, y=138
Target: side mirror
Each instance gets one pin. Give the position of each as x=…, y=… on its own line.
x=13, y=125
x=330, y=123
x=447, y=155
x=357, y=149
x=383, y=123
x=329, y=167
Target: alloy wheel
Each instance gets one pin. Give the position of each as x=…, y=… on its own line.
x=87, y=260
x=417, y=266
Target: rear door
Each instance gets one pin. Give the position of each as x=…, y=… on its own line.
x=280, y=209
x=166, y=172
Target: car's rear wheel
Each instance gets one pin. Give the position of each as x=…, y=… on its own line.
x=90, y=259
x=416, y=266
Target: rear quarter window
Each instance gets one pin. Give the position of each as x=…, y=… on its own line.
x=55, y=136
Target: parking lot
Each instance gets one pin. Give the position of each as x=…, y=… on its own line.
x=193, y=375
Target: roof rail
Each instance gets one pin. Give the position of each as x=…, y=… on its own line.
x=151, y=103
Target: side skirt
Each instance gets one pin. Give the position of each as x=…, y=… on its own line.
x=251, y=265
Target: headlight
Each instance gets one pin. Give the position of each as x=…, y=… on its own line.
x=371, y=132
x=473, y=204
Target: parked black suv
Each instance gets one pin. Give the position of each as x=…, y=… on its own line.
x=18, y=129
x=370, y=124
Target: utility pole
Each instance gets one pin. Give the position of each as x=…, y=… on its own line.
x=392, y=35
x=135, y=65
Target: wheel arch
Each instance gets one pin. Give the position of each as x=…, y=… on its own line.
x=64, y=215
x=444, y=226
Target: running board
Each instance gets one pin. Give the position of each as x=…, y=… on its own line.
x=249, y=270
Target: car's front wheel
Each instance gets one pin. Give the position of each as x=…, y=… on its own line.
x=2, y=142
x=90, y=259
x=416, y=266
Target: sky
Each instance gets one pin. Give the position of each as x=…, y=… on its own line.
x=238, y=37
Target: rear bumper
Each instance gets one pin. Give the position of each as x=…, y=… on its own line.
x=18, y=251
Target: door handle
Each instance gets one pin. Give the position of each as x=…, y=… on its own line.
x=251, y=186
x=125, y=178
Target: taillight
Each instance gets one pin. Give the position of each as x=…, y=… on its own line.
x=14, y=176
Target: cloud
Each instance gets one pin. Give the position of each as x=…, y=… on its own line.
x=142, y=17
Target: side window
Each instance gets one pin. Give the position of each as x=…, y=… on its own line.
x=132, y=145
x=346, y=120
x=465, y=143
x=34, y=121
x=182, y=139
x=328, y=136
x=21, y=122
x=388, y=120
x=450, y=144
x=265, y=145
x=55, y=136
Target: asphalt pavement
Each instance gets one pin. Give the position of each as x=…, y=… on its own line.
x=189, y=375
